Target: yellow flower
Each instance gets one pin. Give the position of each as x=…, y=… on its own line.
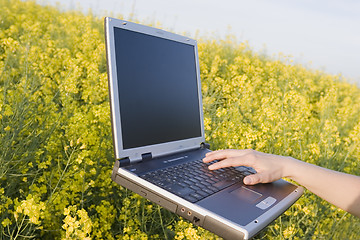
x=77, y=223
x=306, y=210
x=289, y=231
x=6, y=222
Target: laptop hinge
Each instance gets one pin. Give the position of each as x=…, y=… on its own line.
x=146, y=156
x=119, y=163
x=204, y=145
x=124, y=162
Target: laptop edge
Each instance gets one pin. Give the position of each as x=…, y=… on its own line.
x=193, y=212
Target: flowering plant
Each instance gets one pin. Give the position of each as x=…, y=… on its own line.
x=56, y=153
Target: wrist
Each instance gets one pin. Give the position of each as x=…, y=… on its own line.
x=290, y=167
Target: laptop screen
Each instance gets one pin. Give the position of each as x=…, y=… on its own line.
x=158, y=91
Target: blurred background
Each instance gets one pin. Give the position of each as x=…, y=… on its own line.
x=56, y=151
x=323, y=34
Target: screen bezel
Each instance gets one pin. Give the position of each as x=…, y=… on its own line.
x=134, y=154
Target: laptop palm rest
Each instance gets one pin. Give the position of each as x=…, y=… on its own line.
x=246, y=194
x=242, y=204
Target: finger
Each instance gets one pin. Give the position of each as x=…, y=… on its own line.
x=231, y=162
x=252, y=179
x=215, y=155
x=257, y=178
x=223, y=154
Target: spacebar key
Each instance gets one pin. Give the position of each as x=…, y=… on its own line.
x=225, y=183
x=179, y=190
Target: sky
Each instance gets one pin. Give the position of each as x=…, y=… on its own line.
x=321, y=34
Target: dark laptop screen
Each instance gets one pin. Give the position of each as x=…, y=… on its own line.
x=158, y=90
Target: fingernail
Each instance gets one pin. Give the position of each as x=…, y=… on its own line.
x=247, y=180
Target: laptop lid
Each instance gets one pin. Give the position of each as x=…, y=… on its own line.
x=154, y=84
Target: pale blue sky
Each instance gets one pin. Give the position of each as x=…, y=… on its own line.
x=321, y=34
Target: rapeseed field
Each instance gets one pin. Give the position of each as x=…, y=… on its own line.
x=56, y=153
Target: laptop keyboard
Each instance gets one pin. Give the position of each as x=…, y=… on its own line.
x=194, y=181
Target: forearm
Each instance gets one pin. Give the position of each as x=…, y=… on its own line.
x=340, y=189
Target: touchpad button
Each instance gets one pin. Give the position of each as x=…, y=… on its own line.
x=246, y=194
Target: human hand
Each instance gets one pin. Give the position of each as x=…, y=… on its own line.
x=269, y=167
x=325, y=183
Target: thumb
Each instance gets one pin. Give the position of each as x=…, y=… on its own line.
x=253, y=179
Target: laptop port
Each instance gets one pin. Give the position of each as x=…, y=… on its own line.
x=196, y=220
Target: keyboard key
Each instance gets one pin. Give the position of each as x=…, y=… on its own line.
x=196, y=188
x=210, y=181
x=179, y=190
x=199, y=178
x=205, y=183
x=190, y=198
x=246, y=173
x=189, y=183
x=200, y=185
x=223, y=184
x=212, y=188
x=197, y=196
x=208, y=191
x=164, y=183
x=202, y=193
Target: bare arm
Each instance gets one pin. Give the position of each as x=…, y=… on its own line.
x=340, y=189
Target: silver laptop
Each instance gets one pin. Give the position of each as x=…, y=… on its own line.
x=159, y=142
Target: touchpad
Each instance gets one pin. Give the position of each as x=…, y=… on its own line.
x=246, y=194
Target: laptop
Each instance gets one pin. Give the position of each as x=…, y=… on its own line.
x=159, y=140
